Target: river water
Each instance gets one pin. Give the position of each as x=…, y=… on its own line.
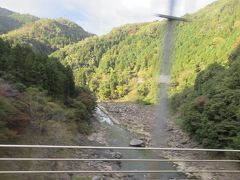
x=117, y=136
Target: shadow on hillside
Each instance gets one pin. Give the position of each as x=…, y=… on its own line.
x=209, y=110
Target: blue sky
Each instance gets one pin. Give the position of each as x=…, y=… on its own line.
x=100, y=16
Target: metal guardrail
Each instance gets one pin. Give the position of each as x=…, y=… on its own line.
x=119, y=148
x=131, y=171
x=109, y=160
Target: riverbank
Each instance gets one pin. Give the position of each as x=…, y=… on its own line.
x=60, y=134
x=139, y=120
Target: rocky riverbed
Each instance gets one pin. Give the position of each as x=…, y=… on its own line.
x=139, y=120
x=98, y=138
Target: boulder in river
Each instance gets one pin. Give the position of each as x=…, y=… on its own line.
x=137, y=143
x=117, y=155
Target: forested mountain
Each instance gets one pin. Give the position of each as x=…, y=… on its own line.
x=210, y=110
x=124, y=64
x=39, y=104
x=132, y=52
x=209, y=38
x=38, y=93
x=10, y=20
x=120, y=64
x=47, y=35
x=36, y=90
x=206, y=75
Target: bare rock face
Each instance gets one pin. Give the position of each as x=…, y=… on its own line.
x=137, y=143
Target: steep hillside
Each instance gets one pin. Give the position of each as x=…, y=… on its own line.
x=35, y=89
x=11, y=20
x=121, y=64
x=39, y=104
x=208, y=39
x=205, y=90
x=47, y=35
x=127, y=58
x=210, y=110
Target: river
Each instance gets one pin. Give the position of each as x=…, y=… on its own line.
x=118, y=136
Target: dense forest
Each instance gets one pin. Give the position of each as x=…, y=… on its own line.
x=125, y=62
x=205, y=86
x=210, y=110
x=10, y=20
x=209, y=38
x=47, y=35
x=132, y=54
x=36, y=90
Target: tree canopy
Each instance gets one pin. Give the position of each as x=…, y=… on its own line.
x=35, y=89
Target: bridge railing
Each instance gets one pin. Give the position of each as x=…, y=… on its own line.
x=121, y=160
